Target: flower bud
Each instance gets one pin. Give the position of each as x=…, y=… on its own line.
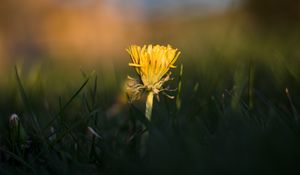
x=14, y=120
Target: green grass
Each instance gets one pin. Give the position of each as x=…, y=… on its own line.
x=218, y=128
x=231, y=115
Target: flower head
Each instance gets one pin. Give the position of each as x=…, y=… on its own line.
x=152, y=64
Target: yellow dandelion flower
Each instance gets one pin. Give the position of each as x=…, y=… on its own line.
x=152, y=63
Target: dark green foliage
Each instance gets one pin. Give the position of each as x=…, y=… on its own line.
x=232, y=119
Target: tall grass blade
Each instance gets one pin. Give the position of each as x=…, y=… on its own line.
x=178, y=97
x=26, y=101
x=250, y=86
x=67, y=104
x=294, y=110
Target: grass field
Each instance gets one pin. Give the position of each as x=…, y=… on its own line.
x=236, y=112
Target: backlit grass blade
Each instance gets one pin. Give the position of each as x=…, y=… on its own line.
x=26, y=101
x=178, y=97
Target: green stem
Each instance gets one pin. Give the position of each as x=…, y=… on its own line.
x=149, y=105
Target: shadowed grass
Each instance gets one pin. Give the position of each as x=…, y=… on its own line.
x=233, y=118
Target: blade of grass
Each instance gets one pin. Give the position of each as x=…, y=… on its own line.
x=27, y=102
x=294, y=110
x=68, y=130
x=67, y=104
x=178, y=97
x=94, y=93
x=282, y=115
x=250, y=86
x=94, y=96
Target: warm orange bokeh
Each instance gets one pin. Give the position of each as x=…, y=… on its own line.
x=66, y=29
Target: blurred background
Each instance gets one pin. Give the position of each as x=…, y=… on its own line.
x=54, y=40
x=93, y=30
x=97, y=30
